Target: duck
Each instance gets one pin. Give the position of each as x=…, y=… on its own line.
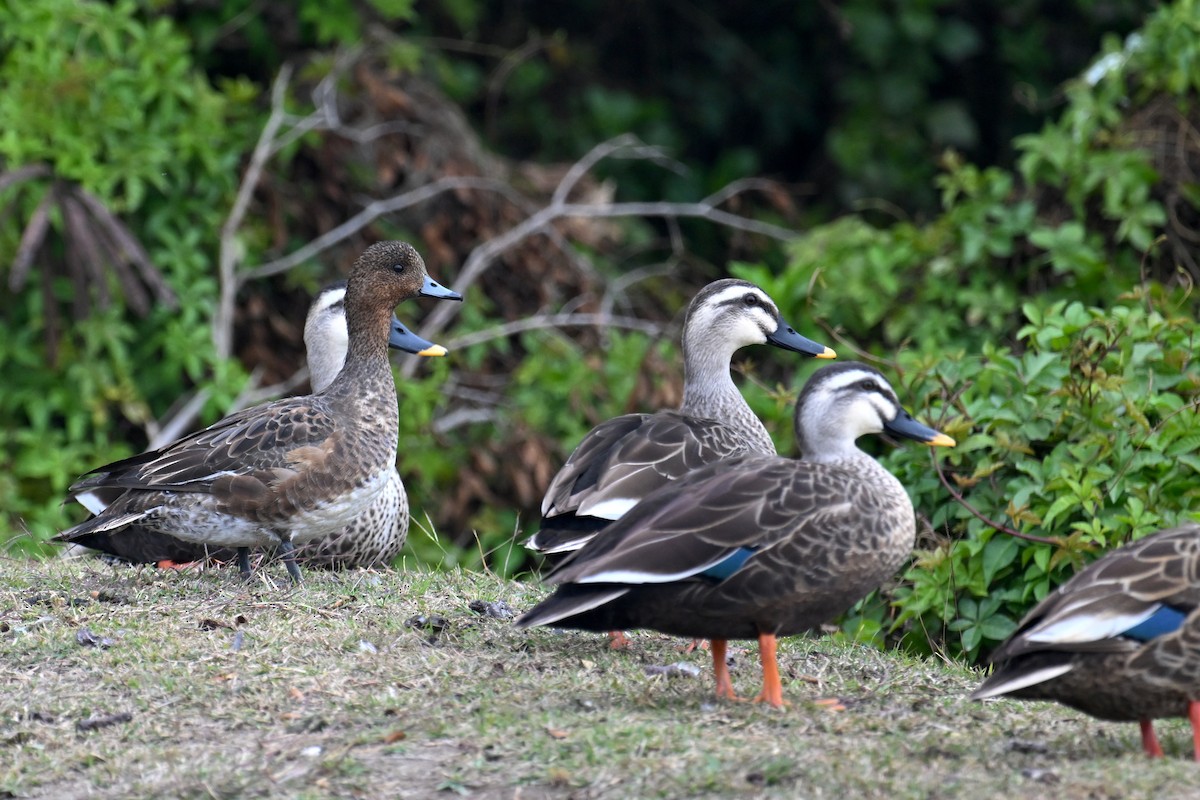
x=373, y=539
x=622, y=460
x=1119, y=641
x=756, y=546
x=286, y=472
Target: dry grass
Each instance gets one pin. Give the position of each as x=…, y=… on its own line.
x=330, y=691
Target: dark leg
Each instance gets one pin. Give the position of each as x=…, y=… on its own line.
x=244, y=562
x=289, y=559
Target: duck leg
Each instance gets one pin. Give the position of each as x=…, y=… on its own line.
x=243, y=556
x=772, y=691
x=1149, y=740
x=617, y=640
x=1194, y=718
x=289, y=559
x=721, y=670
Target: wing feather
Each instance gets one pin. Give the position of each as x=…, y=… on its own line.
x=250, y=443
x=622, y=460
x=690, y=525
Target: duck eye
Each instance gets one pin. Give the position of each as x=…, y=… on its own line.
x=750, y=300
x=398, y=267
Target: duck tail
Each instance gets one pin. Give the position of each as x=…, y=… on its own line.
x=569, y=607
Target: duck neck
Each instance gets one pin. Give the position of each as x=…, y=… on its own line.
x=367, y=371
x=709, y=392
x=324, y=364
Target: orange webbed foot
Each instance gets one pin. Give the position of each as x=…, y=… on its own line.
x=617, y=640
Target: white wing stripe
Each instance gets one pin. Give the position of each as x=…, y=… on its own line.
x=1088, y=627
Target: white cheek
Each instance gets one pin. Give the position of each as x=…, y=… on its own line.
x=746, y=330
x=862, y=418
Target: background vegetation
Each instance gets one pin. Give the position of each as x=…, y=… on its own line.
x=997, y=200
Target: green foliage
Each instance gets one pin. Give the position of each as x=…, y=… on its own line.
x=126, y=104
x=135, y=124
x=1077, y=225
x=859, y=97
x=1074, y=412
x=1087, y=439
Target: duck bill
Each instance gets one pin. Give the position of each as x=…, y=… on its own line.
x=785, y=336
x=904, y=425
x=432, y=288
x=402, y=338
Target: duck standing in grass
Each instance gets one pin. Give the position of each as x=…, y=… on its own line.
x=624, y=459
x=1119, y=641
x=756, y=546
x=374, y=539
x=289, y=471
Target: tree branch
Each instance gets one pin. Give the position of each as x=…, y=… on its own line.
x=543, y=321
x=372, y=212
x=229, y=280
x=1029, y=537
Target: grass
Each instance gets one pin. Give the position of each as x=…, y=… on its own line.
x=386, y=684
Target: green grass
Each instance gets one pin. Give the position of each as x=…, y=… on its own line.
x=330, y=691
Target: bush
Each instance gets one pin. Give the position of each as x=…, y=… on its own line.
x=1083, y=441
x=1075, y=412
x=106, y=105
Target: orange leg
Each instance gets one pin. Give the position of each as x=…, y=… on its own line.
x=180, y=565
x=721, y=670
x=1150, y=741
x=617, y=640
x=1194, y=718
x=772, y=691
x=692, y=646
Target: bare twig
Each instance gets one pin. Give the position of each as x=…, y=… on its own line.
x=31, y=240
x=229, y=255
x=372, y=212
x=1029, y=537
x=543, y=321
x=25, y=173
x=483, y=255
x=163, y=432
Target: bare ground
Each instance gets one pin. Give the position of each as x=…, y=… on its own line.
x=388, y=684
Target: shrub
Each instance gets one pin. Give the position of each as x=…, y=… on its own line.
x=1074, y=410
x=103, y=102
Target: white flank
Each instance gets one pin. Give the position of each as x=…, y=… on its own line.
x=564, y=547
x=1088, y=627
x=1021, y=681
x=611, y=508
x=637, y=576
x=91, y=502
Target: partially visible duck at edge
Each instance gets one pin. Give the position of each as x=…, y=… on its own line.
x=1119, y=641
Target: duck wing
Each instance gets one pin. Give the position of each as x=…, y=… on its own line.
x=620, y=462
x=244, y=453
